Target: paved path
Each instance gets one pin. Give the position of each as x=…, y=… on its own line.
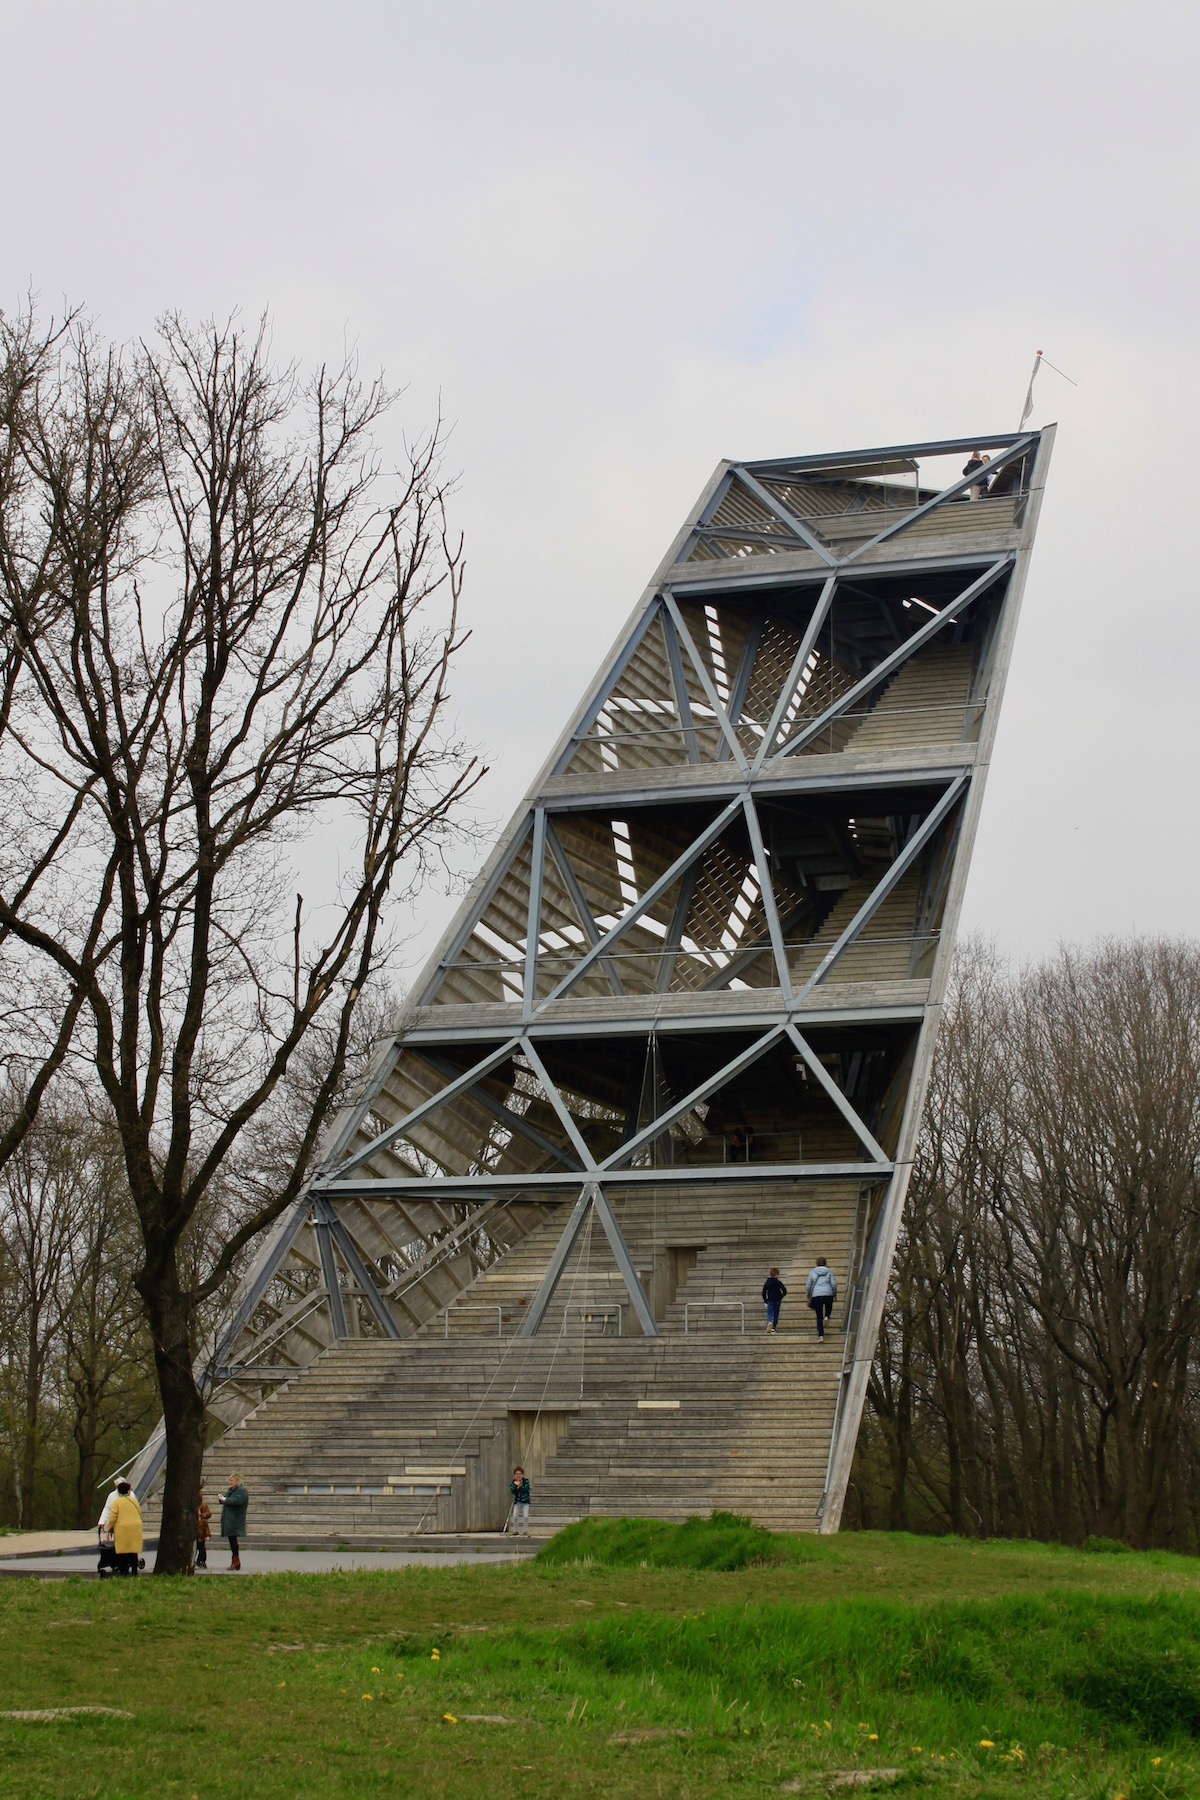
x=45, y=1543
x=71, y=1560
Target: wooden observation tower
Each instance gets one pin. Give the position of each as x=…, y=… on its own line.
x=679, y=1031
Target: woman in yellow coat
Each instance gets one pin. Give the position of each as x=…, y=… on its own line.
x=125, y=1522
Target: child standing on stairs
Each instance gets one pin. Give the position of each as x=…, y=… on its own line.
x=774, y=1293
x=518, y=1487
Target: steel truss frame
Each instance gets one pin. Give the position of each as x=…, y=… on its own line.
x=364, y=1273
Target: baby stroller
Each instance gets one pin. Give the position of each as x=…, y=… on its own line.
x=108, y=1555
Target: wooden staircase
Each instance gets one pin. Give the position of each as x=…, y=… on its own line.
x=380, y=1440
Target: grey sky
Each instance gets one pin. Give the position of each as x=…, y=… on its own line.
x=626, y=240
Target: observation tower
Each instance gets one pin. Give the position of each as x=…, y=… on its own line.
x=679, y=1032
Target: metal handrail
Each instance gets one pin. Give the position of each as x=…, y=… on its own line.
x=679, y=729
x=716, y=956
x=589, y=1313
x=710, y=1304
x=498, y=1310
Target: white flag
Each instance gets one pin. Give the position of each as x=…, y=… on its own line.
x=1037, y=363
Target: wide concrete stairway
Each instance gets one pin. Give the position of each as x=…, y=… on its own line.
x=378, y=1440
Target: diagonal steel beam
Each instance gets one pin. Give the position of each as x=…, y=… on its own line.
x=675, y=931
x=604, y=690
x=814, y=1064
x=876, y=898
x=580, y=901
x=799, y=662
x=883, y=669
x=533, y=927
x=512, y=1121
x=473, y=1074
x=322, y=1215
x=683, y=701
x=559, y=1104
x=362, y=1276
x=467, y=926
x=950, y=493
x=710, y=692
x=751, y=952
x=558, y=1262
x=262, y=1273
x=707, y=1087
x=741, y=685
x=795, y=525
x=767, y=890
x=624, y=1262
x=653, y=894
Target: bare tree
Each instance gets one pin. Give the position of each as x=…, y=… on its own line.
x=246, y=653
x=1039, y=1369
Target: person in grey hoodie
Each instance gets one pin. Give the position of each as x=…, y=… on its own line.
x=821, y=1288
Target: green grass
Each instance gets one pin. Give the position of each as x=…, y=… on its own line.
x=801, y=1659
x=723, y=1541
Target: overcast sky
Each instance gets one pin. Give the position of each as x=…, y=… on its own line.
x=626, y=240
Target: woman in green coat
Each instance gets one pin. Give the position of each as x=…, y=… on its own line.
x=234, y=1502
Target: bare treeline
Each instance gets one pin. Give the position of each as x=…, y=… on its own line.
x=77, y=1391
x=1038, y=1370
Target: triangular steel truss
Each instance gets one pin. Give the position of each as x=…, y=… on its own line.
x=741, y=869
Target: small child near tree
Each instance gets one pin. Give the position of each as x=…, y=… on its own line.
x=518, y=1487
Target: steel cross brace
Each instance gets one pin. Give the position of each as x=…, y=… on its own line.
x=683, y=703
x=799, y=662
x=512, y=1121
x=710, y=692
x=362, y=1276
x=951, y=493
x=762, y=864
x=580, y=902
x=741, y=685
x=322, y=1223
x=850, y=1113
x=901, y=654
x=450, y=1092
x=603, y=691
x=884, y=887
x=653, y=894
x=594, y=1198
x=797, y=527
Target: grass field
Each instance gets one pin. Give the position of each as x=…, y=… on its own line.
x=676, y=1661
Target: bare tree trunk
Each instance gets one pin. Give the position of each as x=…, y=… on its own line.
x=170, y=1311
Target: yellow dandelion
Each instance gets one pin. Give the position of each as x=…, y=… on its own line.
x=986, y=1744
x=914, y=1750
x=450, y=1718
x=874, y=1738
x=1156, y=1762
x=377, y=1671
x=368, y=1696
x=435, y=1656
x=283, y=1684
